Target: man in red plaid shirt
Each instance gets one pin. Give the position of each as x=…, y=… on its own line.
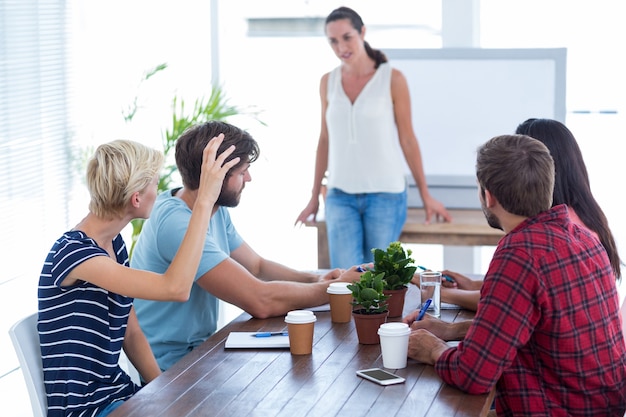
x=547, y=332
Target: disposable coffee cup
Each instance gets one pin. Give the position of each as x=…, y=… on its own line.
x=340, y=298
x=394, y=344
x=300, y=324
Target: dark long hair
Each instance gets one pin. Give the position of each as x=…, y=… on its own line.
x=571, y=184
x=355, y=20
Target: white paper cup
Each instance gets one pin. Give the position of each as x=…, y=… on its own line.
x=394, y=344
x=300, y=325
x=340, y=300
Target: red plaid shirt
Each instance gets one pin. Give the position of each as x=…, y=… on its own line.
x=547, y=330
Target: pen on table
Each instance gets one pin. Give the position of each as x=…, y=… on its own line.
x=423, y=310
x=447, y=277
x=269, y=334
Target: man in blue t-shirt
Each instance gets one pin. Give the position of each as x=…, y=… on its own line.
x=229, y=269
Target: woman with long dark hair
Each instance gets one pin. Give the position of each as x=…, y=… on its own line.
x=571, y=187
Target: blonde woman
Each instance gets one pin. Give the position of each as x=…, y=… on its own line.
x=86, y=288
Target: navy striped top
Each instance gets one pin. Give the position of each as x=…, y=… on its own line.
x=81, y=330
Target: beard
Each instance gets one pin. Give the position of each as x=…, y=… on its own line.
x=492, y=220
x=229, y=198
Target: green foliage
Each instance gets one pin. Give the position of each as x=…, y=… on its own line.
x=215, y=107
x=367, y=293
x=396, y=264
x=129, y=114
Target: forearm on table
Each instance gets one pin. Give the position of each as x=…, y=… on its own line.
x=279, y=297
x=467, y=299
x=273, y=271
x=457, y=330
x=264, y=269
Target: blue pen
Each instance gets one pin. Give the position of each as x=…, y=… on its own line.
x=423, y=310
x=448, y=278
x=360, y=269
x=269, y=334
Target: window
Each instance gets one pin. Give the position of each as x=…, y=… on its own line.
x=34, y=133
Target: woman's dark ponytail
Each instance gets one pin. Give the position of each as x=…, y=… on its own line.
x=355, y=20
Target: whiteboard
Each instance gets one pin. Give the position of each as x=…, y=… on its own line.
x=460, y=98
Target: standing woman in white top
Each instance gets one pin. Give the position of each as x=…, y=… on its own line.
x=366, y=131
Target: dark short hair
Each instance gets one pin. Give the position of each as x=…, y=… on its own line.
x=518, y=171
x=190, y=146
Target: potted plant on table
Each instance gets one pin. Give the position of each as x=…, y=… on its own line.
x=397, y=265
x=370, y=306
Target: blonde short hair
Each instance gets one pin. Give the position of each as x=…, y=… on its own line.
x=116, y=171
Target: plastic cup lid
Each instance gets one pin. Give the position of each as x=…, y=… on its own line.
x=300, y=316
x=394, y=329
x=338, y=288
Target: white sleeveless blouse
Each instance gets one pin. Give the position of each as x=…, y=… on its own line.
x=364, y=154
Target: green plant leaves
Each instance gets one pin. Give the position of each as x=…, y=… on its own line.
x=367, y=293
x=215, y=107
x=396, y=264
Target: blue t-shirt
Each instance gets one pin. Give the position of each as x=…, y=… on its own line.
x=173, y=328
x=81, y=330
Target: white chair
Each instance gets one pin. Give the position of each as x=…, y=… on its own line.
x=26, y=343
x=128, y=367
x=25, y=340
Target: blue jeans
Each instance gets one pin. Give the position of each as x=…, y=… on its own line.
x=109, y=408
x=357, y=223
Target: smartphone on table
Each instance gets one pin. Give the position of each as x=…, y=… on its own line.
x=380, y=376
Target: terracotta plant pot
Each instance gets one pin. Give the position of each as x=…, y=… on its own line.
x=395, y=302
x=367, y=326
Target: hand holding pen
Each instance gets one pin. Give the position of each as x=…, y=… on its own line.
x=423, y=310
x=417, y=315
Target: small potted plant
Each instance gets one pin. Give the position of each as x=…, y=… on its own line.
x=370, y=306
x=397, y=265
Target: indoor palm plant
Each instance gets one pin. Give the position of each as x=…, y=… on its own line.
x=397, y=266
x=215, y=107
x=370, y=306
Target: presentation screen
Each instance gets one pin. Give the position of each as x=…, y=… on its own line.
x=460, y=98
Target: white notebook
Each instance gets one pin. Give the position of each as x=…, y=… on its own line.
x=247, y=340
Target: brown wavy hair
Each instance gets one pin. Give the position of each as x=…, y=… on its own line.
x=191, y=144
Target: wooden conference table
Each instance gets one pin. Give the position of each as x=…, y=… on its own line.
x=468, y=228
x=214, y=381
